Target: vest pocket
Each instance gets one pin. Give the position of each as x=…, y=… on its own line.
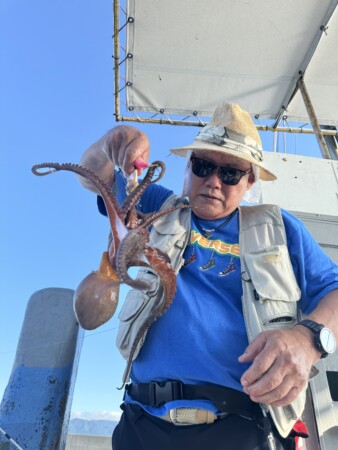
x=275, y=288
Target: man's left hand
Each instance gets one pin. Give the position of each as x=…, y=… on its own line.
x=281, y=364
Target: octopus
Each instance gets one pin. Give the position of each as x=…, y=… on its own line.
x=96, y=297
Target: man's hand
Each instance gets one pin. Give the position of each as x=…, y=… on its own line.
x=281, y=364
x=127, y=144
x=121, y=146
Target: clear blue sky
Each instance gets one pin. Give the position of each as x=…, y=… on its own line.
x=56, y=90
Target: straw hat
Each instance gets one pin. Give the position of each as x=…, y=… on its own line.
x=231, y=131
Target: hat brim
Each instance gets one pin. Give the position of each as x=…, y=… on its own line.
x=264, y=174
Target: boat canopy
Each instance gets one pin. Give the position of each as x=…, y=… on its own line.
x=183, y=57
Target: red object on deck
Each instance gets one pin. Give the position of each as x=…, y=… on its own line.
x=300, y=431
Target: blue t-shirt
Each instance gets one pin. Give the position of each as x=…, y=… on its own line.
x=199, y=338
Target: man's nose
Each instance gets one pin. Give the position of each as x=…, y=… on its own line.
x=213, y=180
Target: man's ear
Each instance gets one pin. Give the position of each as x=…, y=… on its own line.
x=186, y=180
x=251, y=181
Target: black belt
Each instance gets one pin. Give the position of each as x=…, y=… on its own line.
x=225, y=399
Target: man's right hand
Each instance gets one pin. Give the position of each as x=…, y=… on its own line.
x=121, y=147
x=125, y=145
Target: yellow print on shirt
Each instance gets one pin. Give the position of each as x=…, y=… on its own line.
x=221, y=247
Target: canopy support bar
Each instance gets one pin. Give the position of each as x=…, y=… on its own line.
x=313, y=118
x=300, y=130
x=116, y=57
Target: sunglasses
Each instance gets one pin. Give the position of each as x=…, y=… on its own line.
x=228, y=175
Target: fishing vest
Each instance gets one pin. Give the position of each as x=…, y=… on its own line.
x=270, y=290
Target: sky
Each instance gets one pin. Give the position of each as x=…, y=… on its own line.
x=56, y=90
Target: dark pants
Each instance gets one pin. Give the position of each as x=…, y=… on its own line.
x=138, y=430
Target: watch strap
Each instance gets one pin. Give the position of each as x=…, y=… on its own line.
x=315, y=327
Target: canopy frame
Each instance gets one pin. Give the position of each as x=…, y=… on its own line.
x=123, y=112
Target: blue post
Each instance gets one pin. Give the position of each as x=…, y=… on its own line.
x=35, y=408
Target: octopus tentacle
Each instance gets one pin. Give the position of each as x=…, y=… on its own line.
x=134, y=244
x=152, y=217
x=80, y=170
x=129, y=254
x=116, y=218
x=132, y=200
x=128, y=206
x=97, y=295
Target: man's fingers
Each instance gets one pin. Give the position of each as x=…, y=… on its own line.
x=287, y=399
x=263, y=358
x=136, y=150
x=282, y=395
x=257, y=370
x=253, y=349
x=271, y=381
x=279, y=372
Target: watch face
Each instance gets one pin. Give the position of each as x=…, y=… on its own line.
x=327, y=340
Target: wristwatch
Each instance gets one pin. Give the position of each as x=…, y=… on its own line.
x=323, y=338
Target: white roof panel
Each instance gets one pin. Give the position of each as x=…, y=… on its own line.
x=188, y=56
x=321, y=79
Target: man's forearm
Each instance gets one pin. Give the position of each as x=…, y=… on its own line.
x=96, y=159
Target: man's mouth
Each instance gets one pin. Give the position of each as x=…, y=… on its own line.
x=210, y=197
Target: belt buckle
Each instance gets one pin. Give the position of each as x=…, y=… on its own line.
x=161, y=393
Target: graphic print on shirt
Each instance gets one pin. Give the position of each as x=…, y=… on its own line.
x=217, y=252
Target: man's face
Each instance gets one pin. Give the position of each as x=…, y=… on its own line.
x=209, y=197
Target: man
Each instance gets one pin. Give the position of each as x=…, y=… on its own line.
x=196, y=382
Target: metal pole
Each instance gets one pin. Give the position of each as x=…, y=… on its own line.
x=191, y=123
x=11, y=440
x=296, y=130
x=313, y=118
x=116, y=58
x=331, y=141
x=36, y=404
x=275, y=141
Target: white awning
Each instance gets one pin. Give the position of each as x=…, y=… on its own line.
x=187, y=56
